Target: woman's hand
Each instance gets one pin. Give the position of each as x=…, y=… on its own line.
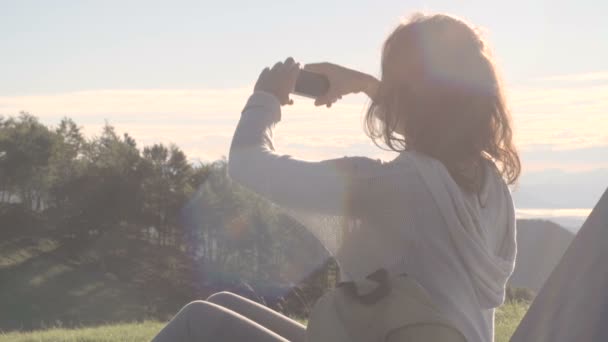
x=342, y=81
x=280, y=80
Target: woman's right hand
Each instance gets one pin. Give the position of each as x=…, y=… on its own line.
x=342, y=81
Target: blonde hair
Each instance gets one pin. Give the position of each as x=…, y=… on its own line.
x=439, y=94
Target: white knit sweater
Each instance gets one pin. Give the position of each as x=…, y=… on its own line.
x=412, y=216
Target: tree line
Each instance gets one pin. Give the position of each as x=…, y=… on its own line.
x=153, y=218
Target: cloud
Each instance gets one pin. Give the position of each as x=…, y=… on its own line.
x=155, y=102
x=544, y=157
x=564, y=117
x=552, y=213
x=196, y=119
x=580, y=77
x=549, y=118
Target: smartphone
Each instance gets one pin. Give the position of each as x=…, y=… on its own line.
x=310, y=84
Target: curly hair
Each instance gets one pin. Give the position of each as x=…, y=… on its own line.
x=440, y=94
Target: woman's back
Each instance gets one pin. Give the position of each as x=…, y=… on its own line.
x=459, y=246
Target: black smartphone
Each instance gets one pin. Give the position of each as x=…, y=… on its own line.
x=311, y=84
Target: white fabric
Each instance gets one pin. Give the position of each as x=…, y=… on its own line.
x=406, y=215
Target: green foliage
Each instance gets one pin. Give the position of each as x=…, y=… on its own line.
x=144, y=228
x=25, y=147
x=126, y=332
x=507, y=319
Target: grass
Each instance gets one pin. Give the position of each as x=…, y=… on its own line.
x=131, y=332
x=507, y=318
x=75, y=293
x=40, y=286
x=15, y=253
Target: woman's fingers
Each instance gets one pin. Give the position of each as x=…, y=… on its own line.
x=324, y=100
x=262, y=79
x=327, y=100
x=292, y=70
x=321, y=68
x=265, y=72
x=277, y=66
x=336, y=86
x=289, y=61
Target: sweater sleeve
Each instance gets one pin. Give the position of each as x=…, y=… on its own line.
x=343, y=186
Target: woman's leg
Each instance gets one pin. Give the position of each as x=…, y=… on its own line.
x=280, y=324
x=202, y=321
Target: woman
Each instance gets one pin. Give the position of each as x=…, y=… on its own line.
x=440, y=212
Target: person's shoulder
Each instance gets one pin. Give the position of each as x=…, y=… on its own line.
x=359, y=165
x=367, y=167
x=418, y=161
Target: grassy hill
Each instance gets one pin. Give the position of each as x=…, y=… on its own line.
x=42, y=287
x=72, y=297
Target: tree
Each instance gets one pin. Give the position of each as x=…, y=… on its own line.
x=66, y=159
x=166, y=225
x=25, y=145
x=170, y=181
x=103, y=189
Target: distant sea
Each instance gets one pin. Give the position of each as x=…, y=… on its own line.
x=571, y=219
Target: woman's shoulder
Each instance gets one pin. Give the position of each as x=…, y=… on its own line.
x=374, y=167
x=420, y=162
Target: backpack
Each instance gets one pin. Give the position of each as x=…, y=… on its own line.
x=380, y=308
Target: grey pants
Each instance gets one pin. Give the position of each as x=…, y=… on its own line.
x=227, y=317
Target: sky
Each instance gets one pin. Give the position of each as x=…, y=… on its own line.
x=180, y=71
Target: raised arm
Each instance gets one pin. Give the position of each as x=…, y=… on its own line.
x=337, y=186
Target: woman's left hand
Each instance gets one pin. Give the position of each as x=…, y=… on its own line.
x=280, y=80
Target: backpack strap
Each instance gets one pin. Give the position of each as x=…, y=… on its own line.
x=382, y=288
